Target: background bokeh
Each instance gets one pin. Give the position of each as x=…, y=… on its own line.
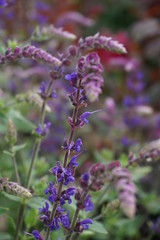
x=130, y=103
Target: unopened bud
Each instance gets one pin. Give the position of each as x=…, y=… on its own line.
x=11, y=134
x=14, y=189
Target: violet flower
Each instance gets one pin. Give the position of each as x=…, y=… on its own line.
x=31, y=52
x=42, y=131
x=126, y=190
x=36, y=235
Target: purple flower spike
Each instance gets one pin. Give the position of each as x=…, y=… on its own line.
x=36, y=235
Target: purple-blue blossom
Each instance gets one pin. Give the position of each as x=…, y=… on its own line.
x=45, y=208
x=36, y=235
x=88, y=205
x=62, y=174
x=77, y=146
x=66, y=195
x=85, y=223
x=42, y=131
x=42, y=91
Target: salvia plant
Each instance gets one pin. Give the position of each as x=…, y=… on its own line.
x=68, y=205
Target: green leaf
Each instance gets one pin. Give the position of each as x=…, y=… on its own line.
x=21, y=123
x=31, y=218
x=16, y=148
x=123, y=160
x=3, y=210
x=11, y=225
x=36, y=202
x=5, y=236
x=98, y=227
x=87, y=233
x=138, y=173
x=7, y=153
x=11, y=197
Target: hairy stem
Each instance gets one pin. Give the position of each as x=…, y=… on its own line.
x=33, y=158
x=66, y=156
x=75, y=217
x=16, y=170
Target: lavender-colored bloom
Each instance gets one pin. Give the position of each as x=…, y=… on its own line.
x=42, y=91
x=45, y=208
x=72, y=77
x=54, y=224
x=31, y=52
x=98, y=41
x=43, y=131
x=85, y=223
x=126, y=190
x=128, y=101
x=88, y=205
x=63, y=174
x=36, y=235
x=66, y=195
x=3, y=3
x=51, y=191
x=127, y=142
x=84, y=180
x=72, y=163
x=90, y=69
x=77, y=146
x=65, y=220
x=85, y=115
x=75, y=17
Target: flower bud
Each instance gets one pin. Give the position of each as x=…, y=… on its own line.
x=14, y=189
x=11, y=134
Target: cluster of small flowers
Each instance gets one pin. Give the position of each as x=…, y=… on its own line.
x=122, y=181
x=65, y=176
x=49, y=32
x=31, y=52
x=90, y=70
x=98, y=42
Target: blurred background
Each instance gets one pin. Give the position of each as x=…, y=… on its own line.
x=129, y=122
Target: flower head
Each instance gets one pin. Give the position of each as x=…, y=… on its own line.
x=36, y=235
x=42, y=131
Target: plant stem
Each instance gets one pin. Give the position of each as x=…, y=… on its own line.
x=34, y=156
x=16, y=169
x=75, y=217
x=99, y=199
x=74, y=220
x=67, y=153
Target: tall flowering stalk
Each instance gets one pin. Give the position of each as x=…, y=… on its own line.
x=86, y=82
x=87, y=76
x=41, y=131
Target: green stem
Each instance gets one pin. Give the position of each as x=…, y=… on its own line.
x=33, y=158
x=16, y=170
x=75, y=217
x=99, y=199
x=66, y=156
